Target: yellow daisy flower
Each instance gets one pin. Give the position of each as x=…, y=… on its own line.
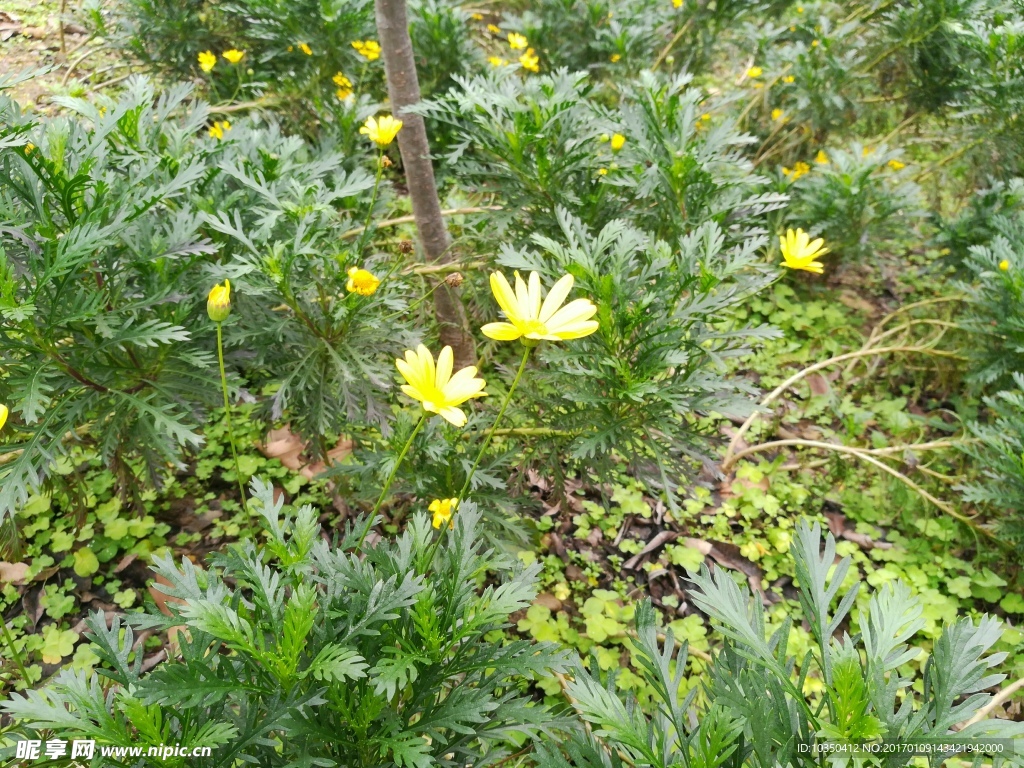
x=755, y=72
x=496, y=61
x=494, y=29
x=435, y=387
x=219, y=128
x=618, y=142
x=383, y=131
x=344, y=86
x=777, y=114
x=368, y=49
x=1003, y=265
x=530, y=61
x=896, y=165
x=516, y=41
x=788, y=79
x=800, y=252
x=234, y=55
x=361, y=281
x=821, y=158
x=616, y=58
x=529, y=319
x=304, y=47
x=443, y=510
x=207, y=61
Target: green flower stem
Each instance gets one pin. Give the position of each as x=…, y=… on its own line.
x=390, y=480
x=373, y=201
x=14, y=651
x=494, y=426
x=414, y=304
x=227, y=416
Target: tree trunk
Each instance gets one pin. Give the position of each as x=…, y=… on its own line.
x=404, y=90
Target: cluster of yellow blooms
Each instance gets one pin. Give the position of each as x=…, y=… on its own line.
x=368, y=49
x=344, y=86
x=208, y=59
x=219, y=128
x=530, y=317
x=798, y=170
x=517, y=42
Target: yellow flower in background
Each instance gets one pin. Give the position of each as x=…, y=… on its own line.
x=477, y=17
x=530, y=319
x=218, y=303
x=529, y=61
x=516, y=41
x=777, y=114
x=219, y=128
x=435, y=387
x=800, y=169
x=443, y=510
x=383, y=131
x=207, y=61
x=494, y=29
x=821, y=158
x=815, y=43
x=896, y=165
x=1003, y=265
x=800, y=252
x=602, y=171
x=361, y=281
x=29, y=148
x=4, y=413
x=706, y=116
x=496, y=61
x=867, y=151
x=616, y=57
x=344, y=86
x=677, y=3
x=304, y=47
x=234, y=55
x=788, y=79
x=368, y=49
x=755, y=72
x=618, y=142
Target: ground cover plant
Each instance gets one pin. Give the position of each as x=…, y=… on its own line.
x=518, y=384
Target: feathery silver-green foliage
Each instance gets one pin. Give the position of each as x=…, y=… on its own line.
x=304, y=653
x=753, y=712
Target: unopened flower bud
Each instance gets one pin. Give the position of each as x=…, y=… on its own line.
x=218, y=304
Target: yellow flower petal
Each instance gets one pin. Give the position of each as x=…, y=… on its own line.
x=501, y=331
x=556, y=296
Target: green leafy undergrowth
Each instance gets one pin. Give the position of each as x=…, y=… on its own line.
x=88, y=547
